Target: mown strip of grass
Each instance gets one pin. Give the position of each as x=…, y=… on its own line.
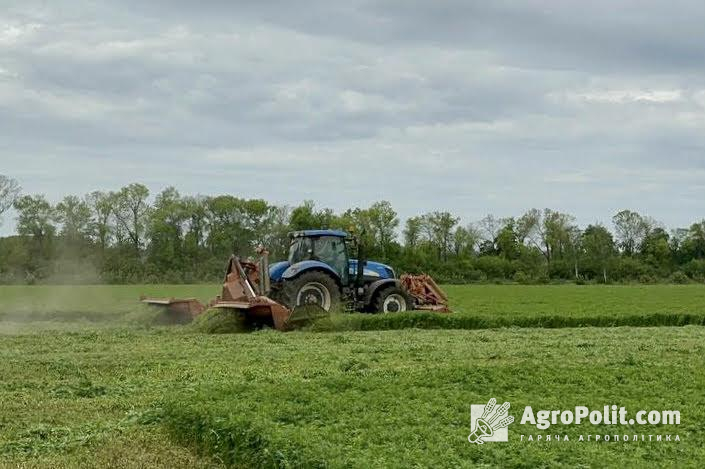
x=402, y=399
x=133, y=398
x=423, y=320
x=220, y=321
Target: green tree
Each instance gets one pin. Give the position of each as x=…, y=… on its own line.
x=101, y=206
x=412, y=233
x=529, y=228
x=507, y=241
x=656, y=248
x=599, y=247
x=227, y=232
x=278, y=236
x=549, y=231
x=436, y=230
x=465, y=238
x=575, y=248
x=166, y=227
x=74, y=215
x=631, y=229
x=306, y=217
x=131, y=212
x=357, y=221
x=9, y=192
x=258, y=219
x=384, y=222
x=35, y=217
x=676, y=242
x=182, y=238
x=195, y=211
x=35, y=222
x=375, y=227
x=442, y=225
x=489, y=228
x=694, y=242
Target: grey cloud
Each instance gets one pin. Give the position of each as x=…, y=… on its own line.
x=503, y=105
x=636, y=35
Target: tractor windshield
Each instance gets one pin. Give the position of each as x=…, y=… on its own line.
x=301, y=249
x=331, y=250
x=327, y=249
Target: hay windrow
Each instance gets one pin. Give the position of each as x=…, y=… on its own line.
x=145, y=315
x=220, y=321
x=468, y=321
x=234, y=440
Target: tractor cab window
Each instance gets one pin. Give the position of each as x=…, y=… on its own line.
x=331, y=250
x=301, y=249
x=328, y=249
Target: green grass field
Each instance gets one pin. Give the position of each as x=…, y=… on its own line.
x=85, y=384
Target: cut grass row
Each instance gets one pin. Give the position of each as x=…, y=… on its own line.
x=475, y=306
x=423, y=320
x=402, y=399
x=354, y=399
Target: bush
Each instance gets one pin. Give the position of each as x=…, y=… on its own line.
x=522, y=278
x=679, y=277
x=647, y=279
x=475, y=275
x=495, y=267
x=628, y=268
x=531, y=262
x=561, y=269
x=695, y=269
x=543, y=279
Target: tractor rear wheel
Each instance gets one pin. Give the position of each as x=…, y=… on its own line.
x=392, y=300
x=312, y=289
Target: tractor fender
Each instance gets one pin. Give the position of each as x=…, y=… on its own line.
x=305, y=266
x=277, y=269
x=379, y=284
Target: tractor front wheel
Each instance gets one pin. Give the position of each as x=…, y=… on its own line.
x=393, y=300
x=312, y=289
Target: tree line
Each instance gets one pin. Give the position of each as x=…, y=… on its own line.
x=124, y=236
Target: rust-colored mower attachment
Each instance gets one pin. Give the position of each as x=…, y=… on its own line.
x=180, y=310
x=244, y=290
x=426, y=293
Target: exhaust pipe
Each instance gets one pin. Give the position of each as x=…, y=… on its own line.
x=265, y=283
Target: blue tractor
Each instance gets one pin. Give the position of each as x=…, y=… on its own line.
x=320, y=272
x=318, y=275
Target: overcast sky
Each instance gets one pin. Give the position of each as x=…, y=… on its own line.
x=467, y=106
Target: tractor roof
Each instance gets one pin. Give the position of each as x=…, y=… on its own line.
x=307, y=233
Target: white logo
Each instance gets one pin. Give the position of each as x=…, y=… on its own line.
x=488, y=423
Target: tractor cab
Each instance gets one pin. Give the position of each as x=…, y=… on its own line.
x=326, y=246
x=330, y=249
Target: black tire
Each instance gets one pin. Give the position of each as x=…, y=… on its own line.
x=277, y=293
x=391, y=300
x=312, y=288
